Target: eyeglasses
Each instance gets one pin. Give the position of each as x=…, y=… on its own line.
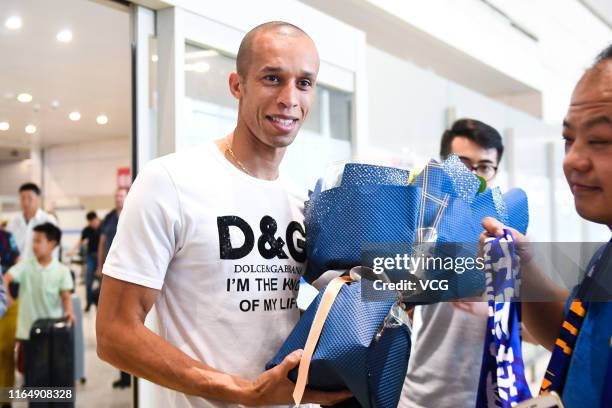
x=484, y=170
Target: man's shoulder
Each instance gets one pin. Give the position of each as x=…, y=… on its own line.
x=196, y=156
x=109, y=219
x=42, y=217
x=183, y=168
x=14, y=222
x=109, y=215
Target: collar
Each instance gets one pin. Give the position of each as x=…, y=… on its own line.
x=37, y=215
x=51, y=264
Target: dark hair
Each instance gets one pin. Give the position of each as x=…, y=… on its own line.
x=475, y=130
x=243, y=59
x=91, y=215
x=30, y=187
x=52, y=233
x=604, y=55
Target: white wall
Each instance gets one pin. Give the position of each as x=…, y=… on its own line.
x=470, y=43
x=14, y=174
x=569, y=37
x=83, y=169
x=408, y=114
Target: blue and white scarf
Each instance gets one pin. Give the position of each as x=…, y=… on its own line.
x=502, y=376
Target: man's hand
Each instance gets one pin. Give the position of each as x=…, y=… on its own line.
x=99, y=271
x=494, y=228
x=69, y=315
x=274, y=388
x=475, y=307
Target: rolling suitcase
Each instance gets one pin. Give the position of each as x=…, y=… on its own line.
x=50, y=357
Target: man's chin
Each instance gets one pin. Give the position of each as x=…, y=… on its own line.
x=280, y=141
x=593, y=213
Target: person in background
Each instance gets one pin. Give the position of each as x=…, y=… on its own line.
x=444, y=367
x=31, y=215
x=578, y=331
x=108, y=230
x=9, y=253
x=90, y=236
x=45, y=286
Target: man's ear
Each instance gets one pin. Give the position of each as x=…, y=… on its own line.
x=236, y=85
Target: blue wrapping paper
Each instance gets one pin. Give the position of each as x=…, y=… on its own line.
x=375, y=205
x=348, y=354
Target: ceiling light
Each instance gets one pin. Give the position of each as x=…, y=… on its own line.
x=36, y=106
x=74, y=116
x=30, y=129
x=24, y=97
x=154, y=58
x=64, y=36
x=55, y=104
x=13, y=23
x=102, y=120
x=4, y=126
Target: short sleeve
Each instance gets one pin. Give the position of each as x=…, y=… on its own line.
x=17, y=271
x=67, y=282
x=85, y=233
x=148, y=230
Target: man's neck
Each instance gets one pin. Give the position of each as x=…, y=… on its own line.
x=28, y=216
x=251, y=155
x=44, y=261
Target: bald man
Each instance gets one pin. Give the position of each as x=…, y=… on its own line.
x=579, y=331
x=214, y=238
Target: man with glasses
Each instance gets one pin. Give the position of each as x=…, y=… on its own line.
x=444, y=367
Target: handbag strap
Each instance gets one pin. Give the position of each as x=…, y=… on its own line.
x=325, y=305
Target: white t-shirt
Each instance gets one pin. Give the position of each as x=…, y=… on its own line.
x=226, y=251
x=23, y=232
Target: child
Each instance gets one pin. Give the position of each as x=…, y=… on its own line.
x=45, y=286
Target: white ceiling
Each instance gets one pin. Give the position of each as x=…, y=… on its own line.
x=91, y=74
x=421, y=48
x=601, y=8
